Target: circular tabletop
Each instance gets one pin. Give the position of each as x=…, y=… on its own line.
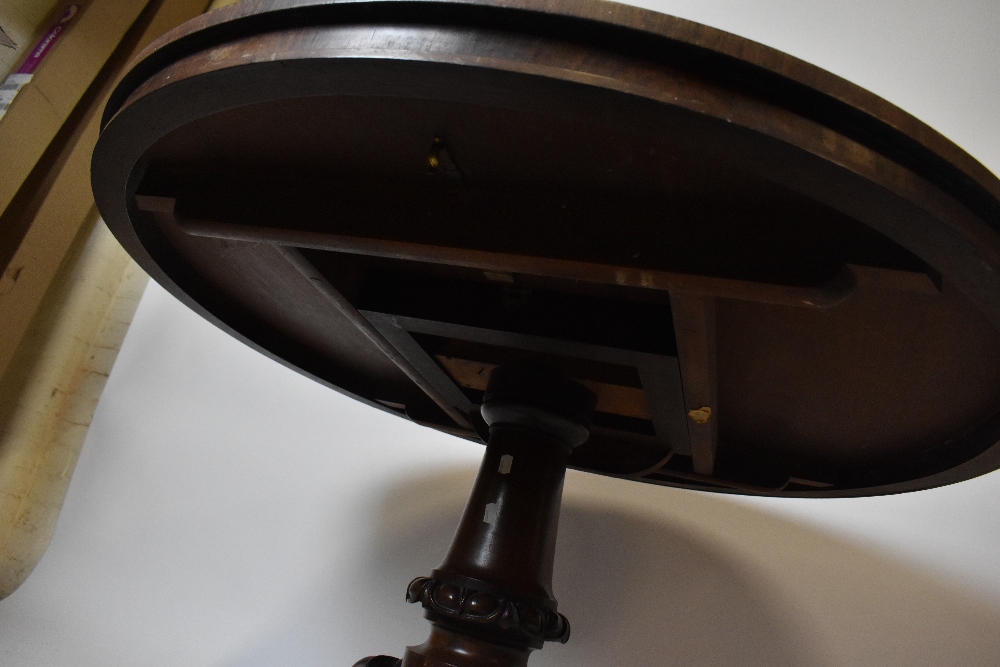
x=775, y=282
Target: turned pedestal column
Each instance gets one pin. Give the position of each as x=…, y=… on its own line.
x=490, y=602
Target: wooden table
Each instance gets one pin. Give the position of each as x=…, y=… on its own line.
x=733, y=271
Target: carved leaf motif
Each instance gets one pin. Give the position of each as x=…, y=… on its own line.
x=480, y=607
x=508, y=620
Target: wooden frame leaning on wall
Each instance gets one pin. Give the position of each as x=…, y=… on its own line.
x=67, y=289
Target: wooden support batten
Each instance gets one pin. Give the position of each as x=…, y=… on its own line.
x=694, y=326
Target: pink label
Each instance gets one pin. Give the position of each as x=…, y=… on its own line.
x=47, y=41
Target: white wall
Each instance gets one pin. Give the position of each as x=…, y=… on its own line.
x=228, y=512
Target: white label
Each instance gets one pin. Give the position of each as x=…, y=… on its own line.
x=9, y=89
x=491, y=513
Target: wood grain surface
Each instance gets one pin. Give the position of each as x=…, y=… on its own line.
x=801, y=280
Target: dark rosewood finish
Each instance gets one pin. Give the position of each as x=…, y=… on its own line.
x=491, y=602
x=775, y=282
x=772, y=281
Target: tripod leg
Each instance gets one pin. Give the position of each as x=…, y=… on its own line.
x=378, y=661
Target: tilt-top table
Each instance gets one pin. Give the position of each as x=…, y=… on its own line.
x=586, y=234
